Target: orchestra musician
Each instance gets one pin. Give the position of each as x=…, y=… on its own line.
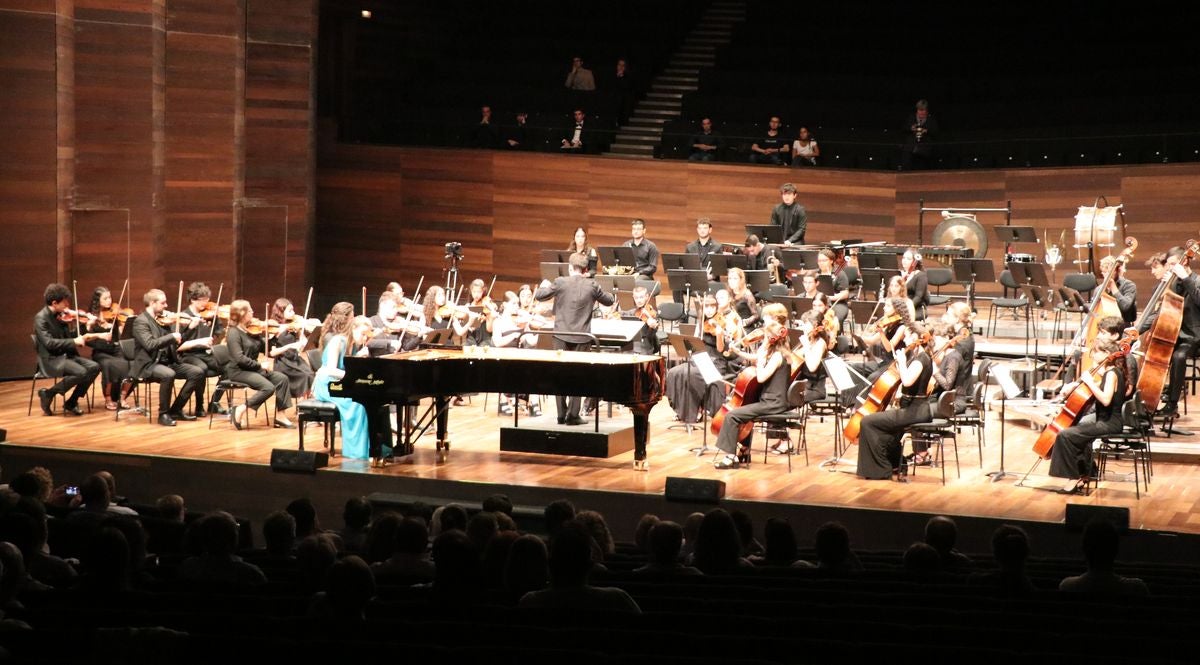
x=1071, y=456
x=916, y=281
x=579, y=243
x=949, y=375
x=201, y=356
x=574, y=297
x=288, y=348
x=391, y=334
x=645, y=253
x=704, y=244
x=479, y=325
x=648, y=342
x=1187, y=285
x=243, y=367
x=758, y=255
x=685, y=388
x=808, y=284
x=106, y=351
x=58, y=349
x=814, y=346
x=879, y=452
x=337, y=338
x=157, y=357
x=841, y=284
x=437, y=315
x=790, y=216
x=1122, y=289
x=508, y=330
x=773, y=363
x=742, y=299
x=898, y=288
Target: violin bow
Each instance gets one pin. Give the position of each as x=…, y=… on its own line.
x=408, y=318
x=124, y=288
x=417, y=293
x=364, y=301
x=178, y=305
x=75, y=296
x=490, y=287
x=307, y=302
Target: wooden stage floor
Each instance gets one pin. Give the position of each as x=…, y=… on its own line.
x=1172, y=503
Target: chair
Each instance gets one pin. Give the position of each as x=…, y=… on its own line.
x=939, y=277
x=221, y=355
x=673, y=313
x=40, y=371
x=129, y=350
x=1132, y=442
x=793, y=418
x=854, y=279
x=1012, y=304
x=973, y=417
x=1082, y=282
x=936, y=431
x=316, y=411
x=778, y=290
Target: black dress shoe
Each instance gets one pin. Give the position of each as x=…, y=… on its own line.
x=1167, y=410
x=574, y=421
x=166, y=420
x=179, y=415
x=215, y=407
x=200, y=413
x=72, y=410
x=561, y=420
x=47, y=401
x=235, y=416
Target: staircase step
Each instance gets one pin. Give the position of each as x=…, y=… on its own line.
x=669, y=87
x=681, y=71
x=660, y=104
x=633, y=150
x=665, y=96
x=637, y=139
x=659, y=113
x=677, y=80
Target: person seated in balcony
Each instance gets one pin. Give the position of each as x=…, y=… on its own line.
x=705, y=144
x=580, y=78
x=805, y=150
x=486, y=134
x=517, y=136
x=772, y=148
x=578, y=139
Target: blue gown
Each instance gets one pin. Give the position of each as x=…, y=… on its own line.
x=355, y=440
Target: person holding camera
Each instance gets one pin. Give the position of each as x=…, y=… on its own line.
x=920, y=129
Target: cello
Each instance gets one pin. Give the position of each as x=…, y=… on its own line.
x=881, y=392
x=1158, y=344
x=1079, y=399
x=746, y=389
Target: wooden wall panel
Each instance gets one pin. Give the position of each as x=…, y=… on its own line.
x=100, y=252
x=263, y=256
x=28, y=196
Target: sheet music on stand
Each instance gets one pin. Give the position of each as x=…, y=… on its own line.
x=1004, y=378
x=839, y=373
x=708, y=369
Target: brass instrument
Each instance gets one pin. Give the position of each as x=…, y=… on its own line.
x=618, y=270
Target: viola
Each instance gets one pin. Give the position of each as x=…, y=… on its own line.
x=647, y=312
x=941, y=352
x=259, y=326
x=1080, y=398
x=300, y=324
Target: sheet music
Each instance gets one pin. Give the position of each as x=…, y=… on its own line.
x=839, y=373
x=1004, y=378
x=708, y=370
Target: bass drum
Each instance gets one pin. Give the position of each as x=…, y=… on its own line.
x=961, y=231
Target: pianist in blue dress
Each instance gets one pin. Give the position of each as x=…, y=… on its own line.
x=338, y=333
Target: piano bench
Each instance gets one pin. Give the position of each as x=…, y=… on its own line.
x=314, y=410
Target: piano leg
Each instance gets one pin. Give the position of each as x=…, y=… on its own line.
x=641, y=433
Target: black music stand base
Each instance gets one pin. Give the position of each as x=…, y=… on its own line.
x=1001, y=474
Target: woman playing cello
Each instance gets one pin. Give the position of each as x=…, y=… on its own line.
x=879, y=449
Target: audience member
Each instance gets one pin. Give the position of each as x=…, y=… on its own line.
x=516, y=137
x=665, y=545
x=218, y=538
x=453, y=517
x=481, y=528
x=13, y=581
x=745, y=526
x=170, y=507
x=485, y=133
x=1010, y=549
x=833, y=549
x=570, y=564
x=718, y=548
x=706, y=144
x=26, y=527
x=113, y=497
x=94, y=501
x=597, y=528
x=505, y=522
x=922, y=560
x=420, y=510
x=641, y=534
x=409, y=561
x=578, y=138
x=1101, y=542
x=781, y=548
x=342, y=606
x=771, y=148
x=105, y=562
x=495, y=558
x=381, y=537
x=920, y=130
x=691, y=530
x=805, y=150
x=306, y=517
x=314, y=557
x=941, y=533
x=527, y=567
x=621, y=81
x=135, y=538
x=498, y=503
x=356, y=520
x=27, y=484
x=556, y=514
x=456, y=568
x=580, y=77
x=279, y=535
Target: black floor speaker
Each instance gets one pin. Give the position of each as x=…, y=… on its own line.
x=1078, y=516
x=298, y=461
x=3, y=435
x=694, y=489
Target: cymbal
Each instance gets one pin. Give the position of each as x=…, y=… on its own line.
x=961, y=231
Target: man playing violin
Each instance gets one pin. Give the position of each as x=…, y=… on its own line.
x=157, y=358
x=648, y=341
x=58, y=350
x=202, y=326
x=393, y=332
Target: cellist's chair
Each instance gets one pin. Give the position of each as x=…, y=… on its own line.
x=939, y=277
x=936, y=431
x=1132, y=442
x=1079, y=286
x=793, y=418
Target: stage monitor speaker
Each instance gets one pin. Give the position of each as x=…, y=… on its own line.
x=695, y=489
x=1078, y=516
x=3, y=435
x=298, y=461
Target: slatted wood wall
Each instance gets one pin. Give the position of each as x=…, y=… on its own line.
x=185, y=121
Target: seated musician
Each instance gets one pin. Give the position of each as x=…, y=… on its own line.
x=916, y=281
x=773, y=365
x=704, y=244
x=1071, y=456
x=508, y=330
x=645, y=253
x=58, y=347
x=243, y=367
x=1122, y=289
x=948, y=375
x=437, y=314
x=393, y=332
x=880, y=339
x=742, y=299
x=106, y=351
x=478, y=326
x=539, y=316
x=808, y=284
x=337, y=338
x=898, y=288
x=879, y=451
x=759, y=256
x=579, y=243
x=1187, y=284
x=287, y=348
x=200, y=328
x=814, y=345
x=841, y=284
x=685, y=388
x=157, y=357
x=648, y=342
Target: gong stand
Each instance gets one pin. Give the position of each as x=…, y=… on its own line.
x=921, y=210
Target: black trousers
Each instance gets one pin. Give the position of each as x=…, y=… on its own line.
x=115, y=369
x=265, y=384
x=165, y=375
x=1179, y=362
x=879, y=438
x=209, y=365
x=1071, y=456
x=568, y=407
x=78, y=375
x=727, y=439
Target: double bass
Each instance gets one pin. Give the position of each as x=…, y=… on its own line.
x=1079, y=399
x=1158, y=343
x=881, y=393
x=1103, y=304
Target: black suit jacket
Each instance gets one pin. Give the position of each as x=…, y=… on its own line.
x=56, y=342
x=711, y=247
x=154, y=345
x=574, y=299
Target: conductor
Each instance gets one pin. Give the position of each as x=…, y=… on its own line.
x=574, y=298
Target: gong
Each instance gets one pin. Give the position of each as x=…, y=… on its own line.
x=961, y=231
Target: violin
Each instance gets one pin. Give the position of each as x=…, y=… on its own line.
x=116, y=314
x=259, y=326
x=72, y=315
x=647, y=312
x=300, y=324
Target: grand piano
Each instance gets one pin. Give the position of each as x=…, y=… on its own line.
x=404, y=378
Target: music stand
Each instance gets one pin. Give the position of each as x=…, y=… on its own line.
x=867, y=261
x=1011, y=235
x=887, y=261
x=625, y=301
x=862, y=311
x=688, y=282
x=684, y=346
x=616, y=256
x=873, y=280
x=768, y=234
x=758, y=281
x=1034, y=283
x=825, y=284
x=798, y=259
x=438, y=337
x=721, y=263
x=555, y=256
x=1008, y=390
x=616, y=282
x=681, y=262
x=552, y=271
x=972, y=271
